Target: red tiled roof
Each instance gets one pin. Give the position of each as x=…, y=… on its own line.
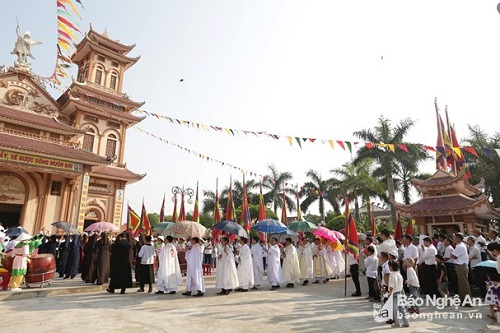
x=442, y=202
x=434, y=181
x=50, y=149
x=117, y=173
x=35, y=120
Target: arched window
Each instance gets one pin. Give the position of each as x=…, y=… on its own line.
x=88, y=140
x=111, y=146
x=98, y=74
x=113, y=80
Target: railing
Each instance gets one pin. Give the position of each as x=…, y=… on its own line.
x=106, y=89
x=36, y=137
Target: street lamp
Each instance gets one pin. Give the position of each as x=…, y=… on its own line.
x=183, y=192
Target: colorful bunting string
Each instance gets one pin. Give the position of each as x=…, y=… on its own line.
x=67, y=27
x=345, y=145
x=487, y=151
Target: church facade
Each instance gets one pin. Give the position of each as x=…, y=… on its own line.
x=63, y=159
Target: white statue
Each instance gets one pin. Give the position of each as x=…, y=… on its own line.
x=22, y=48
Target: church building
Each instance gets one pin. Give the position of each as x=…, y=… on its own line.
x=63, y=159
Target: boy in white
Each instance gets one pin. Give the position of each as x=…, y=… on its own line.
x=371, y=266
x=395, y=289
x=412, y=282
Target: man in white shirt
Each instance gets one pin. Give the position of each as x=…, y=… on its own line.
x=429, y=270
x=461, y=258
x=449, y=263
x=474, y=252
x=388, y=243
x=410, y=250
x=147, y=254
x=474, y=257
x=480, y=243
x=493, y=234
x=440, y=245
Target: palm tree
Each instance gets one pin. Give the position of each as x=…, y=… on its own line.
x=209, y=196
x=485, y=165
x=275, y=183
x=357, y=181
x=319, y=189
x=386, y=158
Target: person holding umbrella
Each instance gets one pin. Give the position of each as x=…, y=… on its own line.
x=21, y=254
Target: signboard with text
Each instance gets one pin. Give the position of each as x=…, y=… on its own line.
x=33, y=160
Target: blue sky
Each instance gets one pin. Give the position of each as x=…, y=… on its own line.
x=320, y=69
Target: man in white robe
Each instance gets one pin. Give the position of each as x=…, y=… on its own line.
x=245, y=266
x=257, y=262
x=305, y=254
x=194, y=275
x=169, y=270
x=226, y=277
x=321, y=267
x=291, y=267
x=274, y=272
x=329, y=257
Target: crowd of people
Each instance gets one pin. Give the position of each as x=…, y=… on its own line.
x=441, y=266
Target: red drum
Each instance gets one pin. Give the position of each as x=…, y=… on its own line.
x=41, y=268
x=7, y=261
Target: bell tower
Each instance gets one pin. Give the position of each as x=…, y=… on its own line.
x=96, y=104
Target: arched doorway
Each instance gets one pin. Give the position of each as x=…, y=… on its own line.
x=93, y=215
x=12, y=199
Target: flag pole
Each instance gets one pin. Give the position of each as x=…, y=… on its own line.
x=346, y=229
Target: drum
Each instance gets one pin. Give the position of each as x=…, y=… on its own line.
x=41, y=268
x=7, y=261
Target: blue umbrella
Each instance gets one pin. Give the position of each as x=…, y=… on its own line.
x=488, y=264
x=270, y=226
x=16, y=231
x=281, y=236
x=232, y=228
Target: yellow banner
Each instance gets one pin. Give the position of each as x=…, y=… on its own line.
x=34, y=160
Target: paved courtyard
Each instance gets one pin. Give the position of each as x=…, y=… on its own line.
x=72, y=306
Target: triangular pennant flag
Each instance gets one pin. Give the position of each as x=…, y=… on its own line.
x=331, y=144
x=391, y=147
x=403, y=147
x=471, y=150
x=369, y=145
x=488, y=153
x=349, y=146
x=298, y=141
x=341, y=144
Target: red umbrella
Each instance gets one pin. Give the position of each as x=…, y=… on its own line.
x=325, y=233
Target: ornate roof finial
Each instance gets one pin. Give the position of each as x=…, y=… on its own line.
x=105, y=33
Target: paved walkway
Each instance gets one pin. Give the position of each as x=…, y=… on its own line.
x=73, y=306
